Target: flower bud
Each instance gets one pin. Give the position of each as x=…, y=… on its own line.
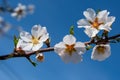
x=40, y=57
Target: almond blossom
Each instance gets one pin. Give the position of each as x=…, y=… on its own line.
x=70, y=50
x=35, y=41
x=95, y=22
x=101, y=52
x=19, y=11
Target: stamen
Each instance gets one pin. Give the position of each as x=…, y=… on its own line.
x=95, y=23
x=101, y=49
x=70, y=49
x=35, y=40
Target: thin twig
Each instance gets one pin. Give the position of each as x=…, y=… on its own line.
x=28, y=54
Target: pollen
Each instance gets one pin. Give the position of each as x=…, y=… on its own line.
x=35, y=40
x=70, y=49
x=101, y=49
x=95, y=23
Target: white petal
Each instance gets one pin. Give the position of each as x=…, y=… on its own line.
x=44, y=38
x=105, y=27
x=23, y=7
x=110, y=20
x=90, y=14
x=43, y=31
x=75, y=58
x=102, y=16
x=14, y=14
x=80, y=47
x=26, y=46
x=37, y=31
x=58, y=48
x=83, y=23
x=25, y=36
x=69, y=39
x=91, y=32
x=101, y=56
x=37, y=47
x=65, y=57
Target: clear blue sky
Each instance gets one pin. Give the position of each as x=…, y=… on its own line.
x=58, y=16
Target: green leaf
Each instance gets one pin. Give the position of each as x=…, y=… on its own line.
x=72, y=30
x=33, y=63
x=15, y=40
x=88, y=47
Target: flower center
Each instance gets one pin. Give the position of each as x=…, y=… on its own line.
x=95, y=23
x=70, y=49
x=101, y=49
x=20, y=11
x=35, y=40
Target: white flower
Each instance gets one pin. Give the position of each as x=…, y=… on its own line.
x=95, y=22
x=4, y=26
x=35, y=41
x=19, y=11
x=69, y=49
x=101, y=52
x=40, y=57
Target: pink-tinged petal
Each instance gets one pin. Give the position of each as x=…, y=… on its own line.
x=90, y=14
x=91, y=32
x=25, y=36
x=83, y=23
x=69, y=39
x=37, y=46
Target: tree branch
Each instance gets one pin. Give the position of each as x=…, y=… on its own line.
x=18, y=54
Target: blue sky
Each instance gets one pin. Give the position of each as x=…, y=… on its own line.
x=58, y=16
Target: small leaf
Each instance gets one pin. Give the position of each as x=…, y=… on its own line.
x=33, y=63
x=15, y=41
x=72, y=30
x=88, y=47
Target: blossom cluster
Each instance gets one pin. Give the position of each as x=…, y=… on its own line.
x=18, y=12
x=71, y=50
x=21, y=10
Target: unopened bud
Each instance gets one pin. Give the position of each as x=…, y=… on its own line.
x=40, y=57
